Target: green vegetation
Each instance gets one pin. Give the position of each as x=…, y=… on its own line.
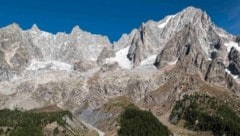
x=205, y=113
x=29, y=123
x=1, y=131
x=135, y=122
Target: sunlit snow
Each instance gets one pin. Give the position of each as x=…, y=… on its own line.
x=231, y=44
x=163, y=24
x=173, y=62
x=121, y=58
x=234, y=76
x=54, y=65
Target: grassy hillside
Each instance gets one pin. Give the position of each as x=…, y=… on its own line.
x=201, y=112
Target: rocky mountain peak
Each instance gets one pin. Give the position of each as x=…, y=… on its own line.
x=35, y=28
x=76, y=30
x=188, y=36
x=152, y=36
x=11, y=28
x=193, y=16
x=191, y=10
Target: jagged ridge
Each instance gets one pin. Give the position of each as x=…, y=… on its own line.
x=153, y=65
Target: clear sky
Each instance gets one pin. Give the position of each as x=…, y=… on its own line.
x=110, y=17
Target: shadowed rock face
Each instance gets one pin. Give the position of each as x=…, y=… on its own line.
x=153, y=66
x=238, y=40
x=234, y=68
x=234, y=57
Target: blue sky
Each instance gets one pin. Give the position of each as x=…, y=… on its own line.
x=110, y=17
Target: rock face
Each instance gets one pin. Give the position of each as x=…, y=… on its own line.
x=152, y=37
x=16, y=51
x=234, y=57
x=21, y=48
x=68, y=47
x=238, y=39
x=84, y=65
x=107, y=52
x=153, y=66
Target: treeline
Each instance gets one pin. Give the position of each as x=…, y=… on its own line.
x=29, y=123
x=204, y=113
x=135, y=122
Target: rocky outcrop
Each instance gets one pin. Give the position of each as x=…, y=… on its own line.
x=234, y=57
x=84, y=65
x=238, y=40
x=110, y=67
x=216, y=73
x=107, y=52
x=144, y=43
x=234, y=68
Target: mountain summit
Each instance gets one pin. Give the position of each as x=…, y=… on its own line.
x=153, y=36
x=152, y=67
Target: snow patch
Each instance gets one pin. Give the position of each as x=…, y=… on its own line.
x=231, y=44
x=149, y=61
x=222, y=35
x=229, y=72
x=173, y=62
x=54, y=65
x=164, y=23
x=209, y=59
x=121, y=58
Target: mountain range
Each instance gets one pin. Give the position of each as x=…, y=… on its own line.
x=152, y=67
